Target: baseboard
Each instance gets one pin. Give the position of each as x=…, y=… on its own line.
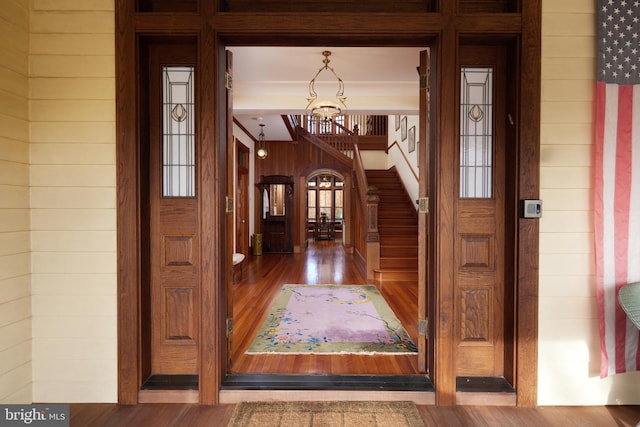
x=485, y=391
x=168, y=396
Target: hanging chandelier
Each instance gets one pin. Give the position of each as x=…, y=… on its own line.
x=326, y=108
x=261, y=152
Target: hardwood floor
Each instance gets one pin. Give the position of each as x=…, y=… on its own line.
x=325, y=262
x=192, y=415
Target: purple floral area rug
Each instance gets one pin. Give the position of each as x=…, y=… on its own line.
x=331, y=319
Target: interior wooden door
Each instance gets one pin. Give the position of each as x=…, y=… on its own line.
x=229, y=208
x=423, y=213
x=173, y=201
x=481, y=307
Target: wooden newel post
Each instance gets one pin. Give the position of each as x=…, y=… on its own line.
x=372, y=236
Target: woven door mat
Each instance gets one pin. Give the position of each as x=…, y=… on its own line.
x=326, y=414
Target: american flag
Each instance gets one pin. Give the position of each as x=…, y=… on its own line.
x=617, y=179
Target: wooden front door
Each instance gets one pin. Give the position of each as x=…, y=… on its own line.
x=483, y=310
x=174, y=256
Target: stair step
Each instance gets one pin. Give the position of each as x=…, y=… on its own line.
x=397, y=221
x=399, y=251
x=381, y=276
x=387, y=232
x=397, y=211
x=395, y=263
x=397, y=240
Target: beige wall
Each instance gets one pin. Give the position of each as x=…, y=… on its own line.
x=66, y=110
x=569, y=352
x=15, y=299
x=73, y=200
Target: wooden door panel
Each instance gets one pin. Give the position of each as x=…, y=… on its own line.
x=179, y=310
x=477, y=252
x=174, y=244
x=479, y=294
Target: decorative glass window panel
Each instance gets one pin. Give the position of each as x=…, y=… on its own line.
x=178, y=133
x=325, y=181
x=311, y=204
x=325, y=197
x=338, y=204
x=476, y=133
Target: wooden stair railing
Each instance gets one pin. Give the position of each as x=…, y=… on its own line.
x=326, y=146
x=369, y=245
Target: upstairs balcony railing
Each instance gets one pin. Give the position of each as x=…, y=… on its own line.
x=371, y=129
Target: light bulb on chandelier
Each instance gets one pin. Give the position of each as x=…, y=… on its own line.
x=261, y=152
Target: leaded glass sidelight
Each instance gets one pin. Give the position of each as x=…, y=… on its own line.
x=476, y=133
x=178, y=134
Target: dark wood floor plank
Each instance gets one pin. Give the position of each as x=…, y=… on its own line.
x=90, y=414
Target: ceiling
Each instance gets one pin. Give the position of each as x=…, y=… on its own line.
x=271, y=81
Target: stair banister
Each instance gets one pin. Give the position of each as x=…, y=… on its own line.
x=369, y=200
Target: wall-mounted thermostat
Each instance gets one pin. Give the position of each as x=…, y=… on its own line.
x=530, y=208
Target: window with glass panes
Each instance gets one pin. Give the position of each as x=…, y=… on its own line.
x=325, y=198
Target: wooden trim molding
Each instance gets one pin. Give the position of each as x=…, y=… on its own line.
x=127, y=213
x=214, y=31
x=529, y=188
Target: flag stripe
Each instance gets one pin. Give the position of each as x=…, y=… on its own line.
x=633, y=334
x=598, y=218
x=621, y=215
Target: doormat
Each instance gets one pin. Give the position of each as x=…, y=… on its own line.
x=331, y=319
x=334, y=414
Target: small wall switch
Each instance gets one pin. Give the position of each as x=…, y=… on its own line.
x=530, y=208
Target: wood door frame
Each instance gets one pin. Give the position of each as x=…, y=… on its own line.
x=213, y=31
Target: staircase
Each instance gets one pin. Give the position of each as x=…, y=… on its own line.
x=398, y=228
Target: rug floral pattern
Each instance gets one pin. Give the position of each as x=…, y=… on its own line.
x=331, y=319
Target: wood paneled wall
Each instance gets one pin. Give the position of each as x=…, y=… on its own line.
x=297, y=159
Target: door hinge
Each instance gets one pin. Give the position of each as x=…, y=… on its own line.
x=423, y=205
x=229, y=326
x=228, y=81
x=229, y=204
x=423, y=327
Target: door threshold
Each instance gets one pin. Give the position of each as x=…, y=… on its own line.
x=260, y=387
x=420, y=383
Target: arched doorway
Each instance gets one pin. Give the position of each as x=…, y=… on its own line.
x=325, y=206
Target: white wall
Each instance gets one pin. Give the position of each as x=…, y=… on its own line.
x=15, y=280
x=569, y=352
x=73, y=200
x=398, y=153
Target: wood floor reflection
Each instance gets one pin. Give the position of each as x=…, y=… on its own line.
x=325, y=262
